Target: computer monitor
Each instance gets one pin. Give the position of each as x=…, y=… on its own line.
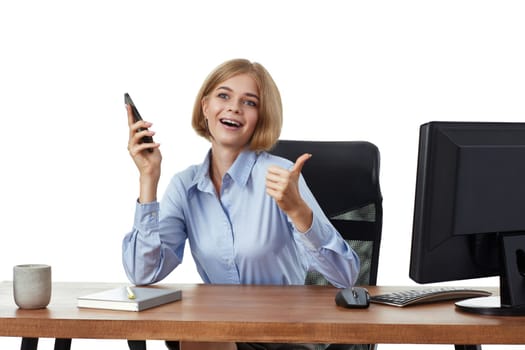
x=469, y=210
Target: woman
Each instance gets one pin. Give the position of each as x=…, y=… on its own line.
x=249, y=216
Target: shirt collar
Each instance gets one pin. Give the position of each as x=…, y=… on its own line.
x=240, y=171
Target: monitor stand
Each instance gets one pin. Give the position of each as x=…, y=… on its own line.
x=511, y=301
x=489, y=306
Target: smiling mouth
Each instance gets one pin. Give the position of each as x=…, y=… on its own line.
x=231, y=123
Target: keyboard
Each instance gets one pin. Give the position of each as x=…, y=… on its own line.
x=426, y=295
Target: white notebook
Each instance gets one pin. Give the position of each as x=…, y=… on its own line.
x=118, y=299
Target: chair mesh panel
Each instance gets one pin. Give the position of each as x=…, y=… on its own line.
x=363, y=249
x=366, y=213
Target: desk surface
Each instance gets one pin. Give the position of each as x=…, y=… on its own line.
x=256, y=313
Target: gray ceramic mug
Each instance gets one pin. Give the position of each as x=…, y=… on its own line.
x=32, y=285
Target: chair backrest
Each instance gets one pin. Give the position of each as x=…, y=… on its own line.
x=344, y=178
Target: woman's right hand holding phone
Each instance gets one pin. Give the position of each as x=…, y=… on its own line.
x=147, y=162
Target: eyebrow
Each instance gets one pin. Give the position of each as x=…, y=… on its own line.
x=249, y=94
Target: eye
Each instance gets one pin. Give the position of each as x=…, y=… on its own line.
x=250, y=103
x=223, y=95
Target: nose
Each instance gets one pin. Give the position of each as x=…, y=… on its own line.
x=234, y=106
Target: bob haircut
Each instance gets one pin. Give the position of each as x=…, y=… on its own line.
x=270, y=110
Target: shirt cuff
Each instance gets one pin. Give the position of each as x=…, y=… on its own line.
x=317, y=236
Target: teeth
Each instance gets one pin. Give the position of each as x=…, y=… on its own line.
x=230, y=122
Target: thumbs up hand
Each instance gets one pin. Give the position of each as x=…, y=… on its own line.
x=283, y=186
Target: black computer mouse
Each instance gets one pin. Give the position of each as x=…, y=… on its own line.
x=353, y=298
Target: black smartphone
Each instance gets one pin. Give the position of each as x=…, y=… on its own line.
x=136, y=118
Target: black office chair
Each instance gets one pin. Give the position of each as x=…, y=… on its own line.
x=344, y=178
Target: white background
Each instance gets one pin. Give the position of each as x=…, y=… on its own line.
x=347, y=70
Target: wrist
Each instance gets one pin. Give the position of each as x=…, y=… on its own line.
x=148, y=189
x=302, y=217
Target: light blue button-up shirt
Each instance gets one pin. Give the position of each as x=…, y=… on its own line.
x=241, y=237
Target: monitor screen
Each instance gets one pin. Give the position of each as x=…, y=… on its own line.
x=470, y=204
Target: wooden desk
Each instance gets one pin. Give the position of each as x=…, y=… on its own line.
x=256, y=313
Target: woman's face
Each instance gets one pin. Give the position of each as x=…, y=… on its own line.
x=232, y=110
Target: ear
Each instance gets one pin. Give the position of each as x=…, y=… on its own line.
x=204, y=106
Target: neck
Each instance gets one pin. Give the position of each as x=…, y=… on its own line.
x=221, y=161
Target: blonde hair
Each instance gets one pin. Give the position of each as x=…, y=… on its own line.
x=270, y=119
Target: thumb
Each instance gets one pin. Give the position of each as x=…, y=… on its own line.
x=299, y=163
